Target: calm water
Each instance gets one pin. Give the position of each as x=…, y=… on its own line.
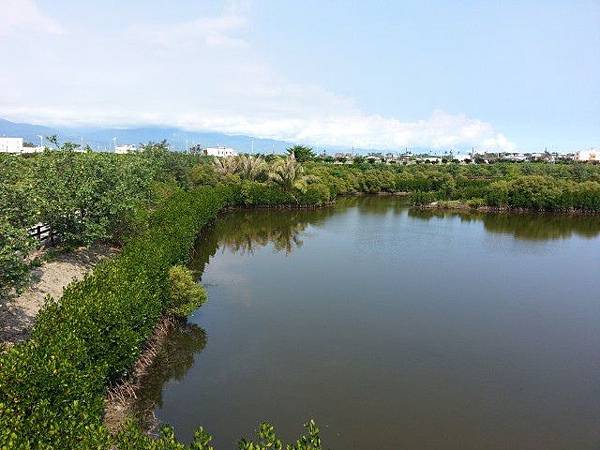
x=393, y=328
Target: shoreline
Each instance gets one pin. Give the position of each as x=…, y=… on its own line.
x=121, y=397
x=464, y=207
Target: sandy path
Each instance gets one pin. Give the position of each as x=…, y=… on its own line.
x=17, y=315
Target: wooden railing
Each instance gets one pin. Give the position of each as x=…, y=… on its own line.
x=43, y=233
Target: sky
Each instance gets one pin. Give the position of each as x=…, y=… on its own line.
x=493, y=75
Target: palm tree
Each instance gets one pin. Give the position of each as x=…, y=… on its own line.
x=225, y=166
x=289, y=174
x=251, y=167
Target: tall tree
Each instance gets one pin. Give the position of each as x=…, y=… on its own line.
x=289, y=174
x=302, y=153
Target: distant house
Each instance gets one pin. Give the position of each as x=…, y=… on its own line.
x=462, y=158
x=220, y=151
x=512, y=156
x=125, y=148
x=27, y=149
x=11, y=145
x=591, y=155
x=566, y=157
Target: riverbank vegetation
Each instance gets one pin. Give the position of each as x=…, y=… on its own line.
x=153, y=203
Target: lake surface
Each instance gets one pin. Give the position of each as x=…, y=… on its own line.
x=393, y=328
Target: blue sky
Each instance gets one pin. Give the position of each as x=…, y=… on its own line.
x=441, y=74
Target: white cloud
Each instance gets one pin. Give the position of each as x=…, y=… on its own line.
x=209, y=31
x=24, y=16
x=202, y=74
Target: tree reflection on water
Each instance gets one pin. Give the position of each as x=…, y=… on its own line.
x=524, y=226
x=243, y=232
x=176, y=356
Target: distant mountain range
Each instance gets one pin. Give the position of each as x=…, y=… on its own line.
x=102, y=138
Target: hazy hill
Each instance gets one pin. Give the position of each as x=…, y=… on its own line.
x=101, y=138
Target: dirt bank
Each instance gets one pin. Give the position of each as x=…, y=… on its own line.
x=17, y=315
x=121, y=397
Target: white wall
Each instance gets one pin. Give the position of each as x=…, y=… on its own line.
x=11, y=145
x=126, y=148
x=220, y=151
x=588, y=155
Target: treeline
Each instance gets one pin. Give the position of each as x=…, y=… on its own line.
x=83, y=197
x=535, y=186
x=86, y=197
x=448, y=181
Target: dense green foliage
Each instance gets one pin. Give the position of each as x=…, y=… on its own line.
x=52, y=386
x=87, y=196
x=537, y=186
x=301, y=153
x=185, y=293
x=15, y=245
x=84, y=197
x=267, y=439
x=131, y=439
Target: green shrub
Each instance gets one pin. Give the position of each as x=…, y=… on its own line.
x=535, y=192
x=186, y=295
x=420, y=198
x=268, y=439
x=130, y=438
x=253, y=193
x=15, y=246
x=585, y=196
x=449, y=204
x=203, y=175
x=476, y=203
x=52, y=386
x=315, y=195
x=497, y=194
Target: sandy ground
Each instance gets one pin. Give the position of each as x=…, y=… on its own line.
x=17, y=315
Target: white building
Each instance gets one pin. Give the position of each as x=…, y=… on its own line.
x=11, y=145
x=125, y=148
x=32, y=149
x=220, y=151
x=462, y=158
x=592, y=155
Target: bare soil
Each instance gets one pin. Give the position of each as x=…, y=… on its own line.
x=17, y=315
